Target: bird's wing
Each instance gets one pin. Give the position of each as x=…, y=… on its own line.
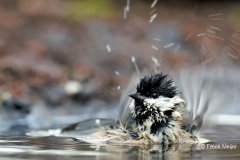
x=88, y=127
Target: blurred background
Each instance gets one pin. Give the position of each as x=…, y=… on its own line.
x=62, y=61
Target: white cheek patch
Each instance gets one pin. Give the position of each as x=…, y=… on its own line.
x=162, y=103
x=149, y=102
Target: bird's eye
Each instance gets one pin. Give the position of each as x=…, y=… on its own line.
x=154, y=95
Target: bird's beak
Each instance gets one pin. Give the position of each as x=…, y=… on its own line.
x=137, y=97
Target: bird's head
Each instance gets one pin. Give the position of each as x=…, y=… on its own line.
x=154, y=99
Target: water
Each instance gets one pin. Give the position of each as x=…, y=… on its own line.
x=225, y=140
x=57, y=148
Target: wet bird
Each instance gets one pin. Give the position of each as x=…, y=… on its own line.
x=155, y=115
x=158, y=113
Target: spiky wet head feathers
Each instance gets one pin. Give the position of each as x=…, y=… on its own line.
x=157, y=111
x=158, y=84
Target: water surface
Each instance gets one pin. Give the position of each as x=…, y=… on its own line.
x=225, y=145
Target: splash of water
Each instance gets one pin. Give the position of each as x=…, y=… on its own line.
x=154, y=3
x=135, y=65
x=153, y=17
x=108, y=48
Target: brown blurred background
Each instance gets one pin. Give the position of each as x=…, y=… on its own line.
x=48, y=46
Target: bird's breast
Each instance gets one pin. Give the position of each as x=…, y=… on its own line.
x=166, y=131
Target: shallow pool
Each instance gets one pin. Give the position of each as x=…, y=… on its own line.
x=225, y=145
